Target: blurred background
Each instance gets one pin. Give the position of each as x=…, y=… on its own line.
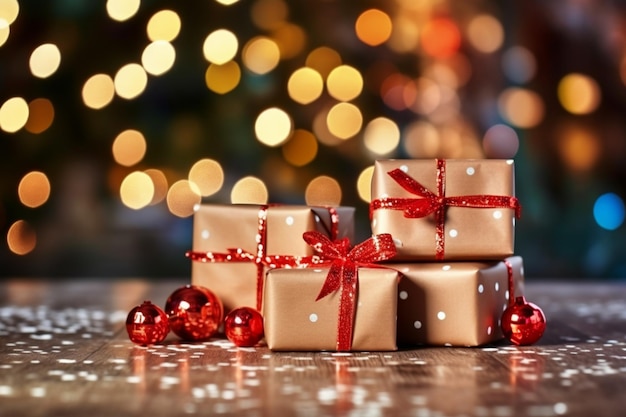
x=118, y=116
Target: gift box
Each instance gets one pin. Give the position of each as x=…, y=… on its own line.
x=446, y=209
x=295, y=321
x=456, y=303
x=234, y=245
x=355, y=306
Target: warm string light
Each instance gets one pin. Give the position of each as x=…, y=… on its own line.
x=323, y=82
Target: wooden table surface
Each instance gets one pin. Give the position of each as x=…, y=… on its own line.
x=64, y=352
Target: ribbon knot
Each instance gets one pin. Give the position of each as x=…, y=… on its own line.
x=343, y=273
x=436, y=203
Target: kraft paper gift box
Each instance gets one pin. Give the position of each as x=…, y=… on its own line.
x=446, y=209
x=295, y=321
x=230, y=241
x=455, y=303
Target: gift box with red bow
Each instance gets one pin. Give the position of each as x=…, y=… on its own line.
x=455, y=303
x=344, y=301
x=439, y=209
x=234, y=245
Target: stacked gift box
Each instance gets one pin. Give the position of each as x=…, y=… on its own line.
x=438, y=270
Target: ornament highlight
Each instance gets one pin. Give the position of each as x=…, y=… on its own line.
x=194, y=312
x=147, y=324
x=523, y=323
x=244, y=326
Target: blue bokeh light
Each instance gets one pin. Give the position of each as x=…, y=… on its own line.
x=608, y=211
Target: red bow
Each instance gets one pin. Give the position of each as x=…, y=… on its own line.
x=437, y=203
x=343, y=274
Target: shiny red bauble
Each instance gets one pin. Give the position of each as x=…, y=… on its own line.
x=195, y=313
x=523, y=323
x=244, y=326
x=147, y=324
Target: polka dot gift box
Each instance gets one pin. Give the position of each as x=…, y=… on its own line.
x=455, y=303
x=296, y=321
x=436, y=209
x=235, y=244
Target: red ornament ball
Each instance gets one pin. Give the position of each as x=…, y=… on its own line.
x=523, y=323
x=195, y=313
x=147, y=324
x=244, y=326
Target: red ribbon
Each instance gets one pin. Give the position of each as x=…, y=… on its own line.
x=437, y=203
x=343, y=274
x=509, y=273
x=260, y=258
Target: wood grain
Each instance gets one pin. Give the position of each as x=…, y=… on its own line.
x=64, y=352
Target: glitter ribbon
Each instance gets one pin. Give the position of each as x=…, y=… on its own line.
x=343, y=274
x=431, y=203
x=509, y=273
x=260, y=258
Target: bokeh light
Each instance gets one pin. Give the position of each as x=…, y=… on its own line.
x=396, y=89
x=98, y=91
x=323, y=60
x=405, y=35
x=344, y=83
x=364, y=184
x=440, y=38
x=130, y=81
x=291, y=40
x=301, y=149
x=260, y=55
x=608, y=211
x=34, y=189
x=305, y=85
x=323, y=191
x=578, y=147
x=222, y=79
x=207, y=175
x=129, y=147
x=485, y=33
x=220, y=46
x=373, y=27
x=273, y=127
x=269, y=14
x=578, y=93
x=521, y=107
x=40, y=115
x=381, y=136
x=122, y=10
x=137, y=190
x=13, y=114
x=45, y=60
x=500, y=142
x=344, y=120
x=519, y=64
x=284, y=93
x=321, y=130
x=182, y=197
x=159, y=180
x=5, y=31
x=164, y=25
x=21, y=238
x=158, y=57
x=421, y=140
x=9, y=10
x=249, y=190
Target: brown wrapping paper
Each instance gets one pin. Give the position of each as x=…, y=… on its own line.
x=470, y=233
x=455, y=303
x=217, y=228
x=294, y=321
